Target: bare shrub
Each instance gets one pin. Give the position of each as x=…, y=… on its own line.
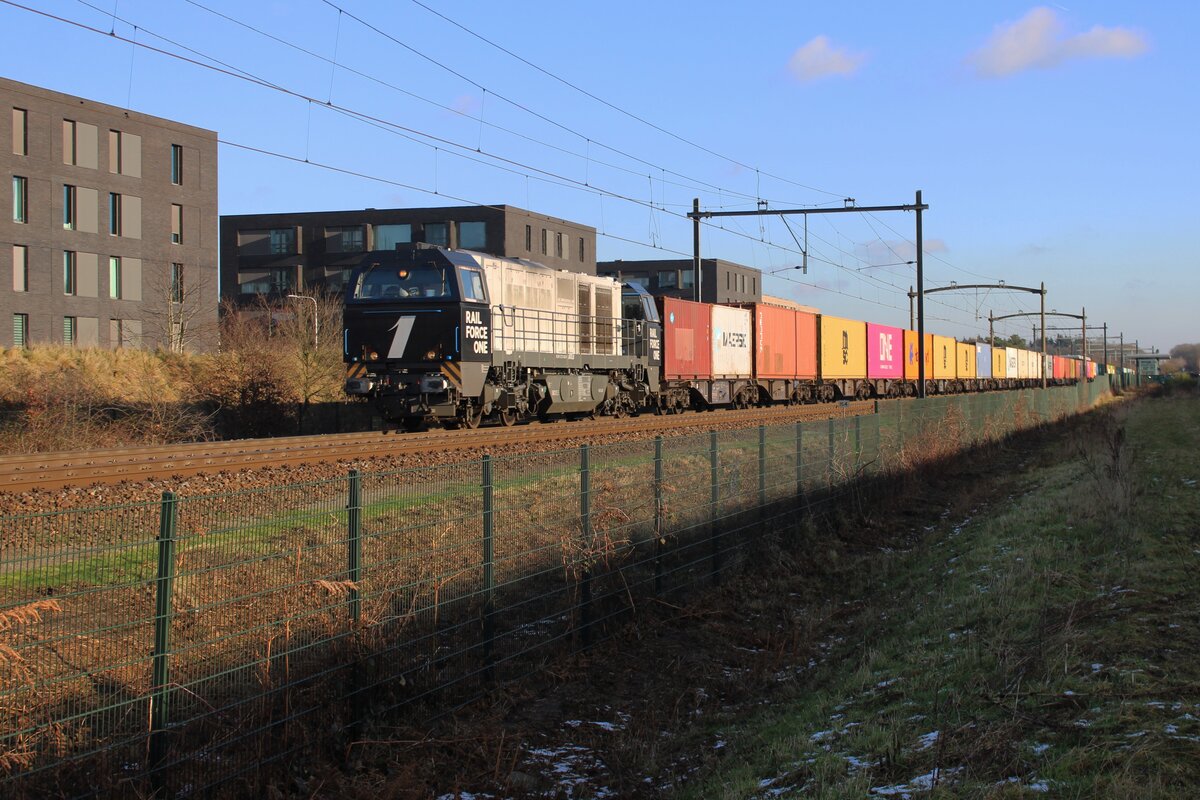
x=1108, y=458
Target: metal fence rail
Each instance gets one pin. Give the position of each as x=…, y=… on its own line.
x=177, y=646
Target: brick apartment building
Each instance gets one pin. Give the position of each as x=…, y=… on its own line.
x=274, y=255
x=108, y=234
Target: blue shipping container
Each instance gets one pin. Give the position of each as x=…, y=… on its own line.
x=983, y=361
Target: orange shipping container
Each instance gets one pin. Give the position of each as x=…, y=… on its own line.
x=966, y=361
x=785, y=342
x=843, y=348
x=945, y=352
x=910, y=356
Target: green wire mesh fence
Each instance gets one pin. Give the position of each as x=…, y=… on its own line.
x=176, y=647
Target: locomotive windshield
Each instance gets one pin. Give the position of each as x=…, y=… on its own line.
x=392, y=282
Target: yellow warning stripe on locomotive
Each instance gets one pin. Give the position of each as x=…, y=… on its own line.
x=358, y=370
x=453, y=373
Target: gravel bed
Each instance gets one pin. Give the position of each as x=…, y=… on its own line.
x=39, y=500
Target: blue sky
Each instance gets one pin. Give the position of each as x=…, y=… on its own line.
x=1052, y=142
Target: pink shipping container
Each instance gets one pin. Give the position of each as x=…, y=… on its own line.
x=687, y=339
x=885, y=352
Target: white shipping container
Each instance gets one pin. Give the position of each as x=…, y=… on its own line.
x=731, y=352
x=1013, y=362
x=1025, y=365
x=1047, y=366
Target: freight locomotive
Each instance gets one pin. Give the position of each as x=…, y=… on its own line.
x=455, y=337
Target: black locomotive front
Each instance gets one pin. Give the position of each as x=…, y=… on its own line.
x=417, y=334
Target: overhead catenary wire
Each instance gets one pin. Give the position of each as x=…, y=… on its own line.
x=235, y=72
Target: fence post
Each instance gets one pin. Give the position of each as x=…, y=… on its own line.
x=800, y=463
x=714, y=503
x=160, y=679
x=585, y=521
x=832, y=449
x=857, y=444
x=489, y=574
x=659, y=527
x=354, y=541
x=762, y=472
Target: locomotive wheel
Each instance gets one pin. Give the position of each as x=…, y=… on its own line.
x=507, y=417
x=472, y=416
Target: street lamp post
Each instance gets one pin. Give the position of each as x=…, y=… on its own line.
x=316, y=323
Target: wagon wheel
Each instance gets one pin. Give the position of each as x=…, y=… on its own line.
x=508, y=417
x=472, y=416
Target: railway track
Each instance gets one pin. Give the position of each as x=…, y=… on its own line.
x=48, y=471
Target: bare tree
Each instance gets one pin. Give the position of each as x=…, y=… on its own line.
x=308, y=330
x=180, y=307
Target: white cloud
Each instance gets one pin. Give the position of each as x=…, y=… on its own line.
x=820, y=59
x=1037, y=41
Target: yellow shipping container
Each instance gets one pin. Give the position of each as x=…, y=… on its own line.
x=945, y=356
x=843, y=348
x=966, y=361
x=999, y=362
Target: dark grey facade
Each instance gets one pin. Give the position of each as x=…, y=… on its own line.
x=720, y=281
x=108, y=225
x=279, y=254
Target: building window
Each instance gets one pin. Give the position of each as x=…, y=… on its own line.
x=177, y=224
x=742, y=284
x=271, y=281
x=20, y=330
x=68, y=330
x=728, y=279
x=283, y=240
x=116, y=333
x=114, y=214
x=20, y=132
x=668, y=279
x=20, y=199
x=437, y=233
x=754, y=286
x=68, y=207
x=114, y=277
x=20, y=264
x=558, y=245
x=177, y=164
x=177, y=283
x=581, y=248
x=125, y=153
x=688, y=279
x=544, y=241
x=528, y=238
x=70, y=153
x=388, y=236
x=348, y=239
x=472, y=235
x=68, y=272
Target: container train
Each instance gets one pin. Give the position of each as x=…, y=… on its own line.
x=453, y=337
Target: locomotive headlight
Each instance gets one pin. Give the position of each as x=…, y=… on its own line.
x=373, y=355
x=431, y=355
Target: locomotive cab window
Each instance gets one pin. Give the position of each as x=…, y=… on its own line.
x=472, y=285
x=392, y=282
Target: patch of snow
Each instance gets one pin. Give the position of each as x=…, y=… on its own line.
x=1083, y=723
x=928, y=740
x=1040, y=787
x=859, y=763
x=921, y=783
x=1097, y=667
x=886, y=683
x=821, y=736
x=1068, y=693
x=1039, y=748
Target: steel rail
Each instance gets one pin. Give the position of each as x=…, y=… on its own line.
x=49, y=471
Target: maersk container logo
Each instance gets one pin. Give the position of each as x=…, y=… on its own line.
x=731, y=339
x=672, y=317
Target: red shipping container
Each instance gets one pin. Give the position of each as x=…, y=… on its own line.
x=687, y=339
x=885, y=352
x=1060, y=367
